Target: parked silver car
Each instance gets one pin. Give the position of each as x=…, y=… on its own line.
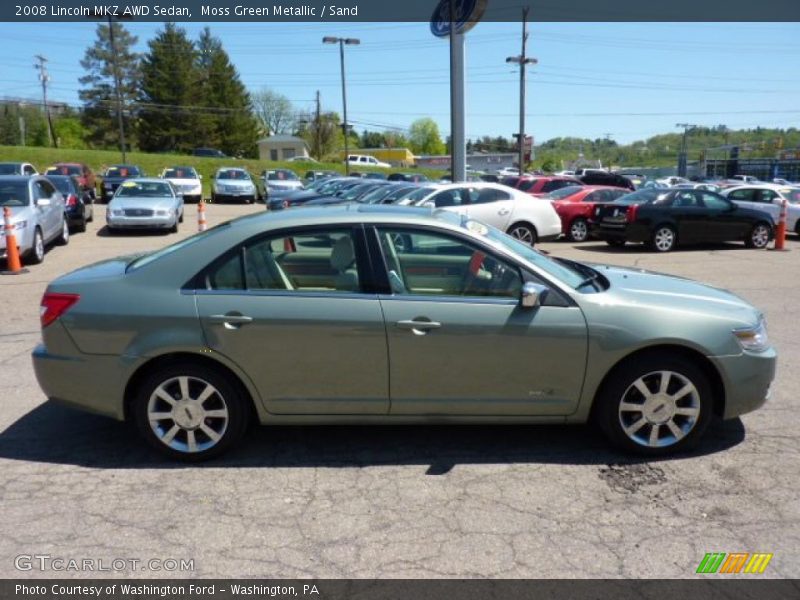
x=145, y=204
x=37, y=215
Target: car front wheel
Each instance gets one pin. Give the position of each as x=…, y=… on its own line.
x=578, y=230
x=655, y=405
x=190, y=413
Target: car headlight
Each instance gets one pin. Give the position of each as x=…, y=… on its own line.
x=754, y=339
x=20, y=224
x=118, y=212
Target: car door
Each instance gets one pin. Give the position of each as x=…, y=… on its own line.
x=459, y=342
x=727, y=222
x=48, y=212
x=492, y=206
x=290, y=310
x=691, y=217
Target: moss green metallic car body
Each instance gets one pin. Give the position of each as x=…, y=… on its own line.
x=321, y=357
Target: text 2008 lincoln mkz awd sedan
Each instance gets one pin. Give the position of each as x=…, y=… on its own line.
x=385, y=315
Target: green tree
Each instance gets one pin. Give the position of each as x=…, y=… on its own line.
x=372, y=139
x=424, y=137
x=169, y=119
x=324, y=135
x=275, y=112
x=99, y=116
x=225, y=116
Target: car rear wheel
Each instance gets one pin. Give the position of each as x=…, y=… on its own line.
x=36, y=253
x=578, y=230
x=759, y=236
x=664, y=239
x=63, y=238
x=524, y=233
x=190, y=413
x=655, y=404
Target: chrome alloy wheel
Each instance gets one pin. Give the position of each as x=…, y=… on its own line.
x=187, y=414
x=664, y=239
x=38, y=246
x=523, y=234
x=659, y=409
x=760, y=236
x=579, y=230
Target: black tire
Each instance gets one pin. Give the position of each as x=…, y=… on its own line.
x=664, y=239
x=180, y=219
x=34, y=256
x=759, y=236
x=616, y=243
x=578, y=230
x=524, y=233
x=227, y=396
x=619, y=388
x=82, y=225
x=63, y=237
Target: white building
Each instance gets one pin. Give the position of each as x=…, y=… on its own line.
x=282, y=147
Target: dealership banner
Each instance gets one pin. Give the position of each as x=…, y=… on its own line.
x=405, y=11
x=400, y=589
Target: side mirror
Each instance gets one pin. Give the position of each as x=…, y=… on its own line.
x=43, y=202
x=532, y=295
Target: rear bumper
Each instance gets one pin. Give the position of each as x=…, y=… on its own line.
x=72, y=380
x=747, y=378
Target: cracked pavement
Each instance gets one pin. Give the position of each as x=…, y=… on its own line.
x=402, y=502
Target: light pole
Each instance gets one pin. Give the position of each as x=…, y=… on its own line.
x=522, y=60
x=682, y=156
x=342, y=42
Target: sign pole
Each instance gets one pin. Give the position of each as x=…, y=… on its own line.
x=458, y=147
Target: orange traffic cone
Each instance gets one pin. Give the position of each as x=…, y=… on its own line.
x=780, y=230
x=13, y=264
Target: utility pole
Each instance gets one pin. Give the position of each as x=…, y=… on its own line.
x=44, y=77
x=682, y=156
x=342, y=42
x=317, y=130
x=522, y=60
x=117, y=91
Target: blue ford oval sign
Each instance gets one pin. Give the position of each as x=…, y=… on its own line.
x=467, y=14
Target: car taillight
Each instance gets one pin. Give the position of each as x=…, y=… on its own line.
x=72, y=200
x=630, y=215
x=55, y=305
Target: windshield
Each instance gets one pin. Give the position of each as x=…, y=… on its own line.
x=233, y=174
x=180, y=173
x=144, y=189
x=281, y=176
x=419, y=194
x=397, y=193
x=14, y=193
x=378, y=194
x=640, y=197
x=565, y=191
x=356, y=192
x=9, y=169
x=64, y=170
x=122, y=172
x=63, y=184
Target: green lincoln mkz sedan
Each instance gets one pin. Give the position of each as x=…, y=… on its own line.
x=375, y=314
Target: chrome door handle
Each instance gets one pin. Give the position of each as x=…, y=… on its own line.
x=503, y=212
x=418, y=327
x=231, y=320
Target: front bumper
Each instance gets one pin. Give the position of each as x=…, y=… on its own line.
x=140, y=222
x=233, y=197
x=747, y=379
x=24, y=239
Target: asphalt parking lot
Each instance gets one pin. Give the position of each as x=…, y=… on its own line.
x=526, y=501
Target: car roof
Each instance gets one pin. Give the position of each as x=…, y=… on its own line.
x=761, y=186
x=18, y=177
x=146, y=180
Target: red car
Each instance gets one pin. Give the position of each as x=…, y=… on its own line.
x=82, y=172
x=575, y=205
x=539, y=186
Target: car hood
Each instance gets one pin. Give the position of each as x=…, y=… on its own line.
x=186, y=182
x=640, y=287
x=235, y=183
x=143, y=202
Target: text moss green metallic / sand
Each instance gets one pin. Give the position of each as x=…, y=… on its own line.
x=393, y=315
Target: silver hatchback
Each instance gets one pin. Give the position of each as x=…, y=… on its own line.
x=37, y=215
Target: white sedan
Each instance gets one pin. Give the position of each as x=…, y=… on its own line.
x=526, y=218
x=186, y=181
x=769, y=198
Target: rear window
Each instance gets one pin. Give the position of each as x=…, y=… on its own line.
x=63, y=184
x=146, y=259
x=564, y=192
x=122, y=172
x=180, y=173
x=64, y=170
x=640, y=197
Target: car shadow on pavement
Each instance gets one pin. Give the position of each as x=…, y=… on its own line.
x=55, y=434
x=104, y=231
x=630, y=249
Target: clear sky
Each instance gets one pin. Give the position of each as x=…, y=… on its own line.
x=628, y=80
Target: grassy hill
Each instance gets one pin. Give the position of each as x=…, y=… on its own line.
x=152, y=164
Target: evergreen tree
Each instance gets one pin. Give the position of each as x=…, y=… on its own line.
x=227, y=119
x=170, y=93
x=99, y=99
